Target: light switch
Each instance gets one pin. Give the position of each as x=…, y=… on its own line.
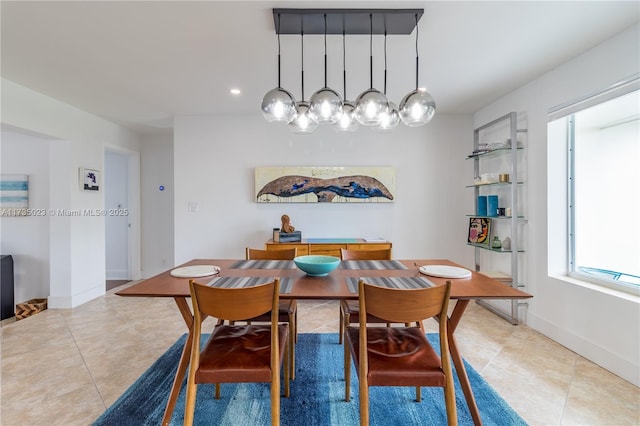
x=193, y=206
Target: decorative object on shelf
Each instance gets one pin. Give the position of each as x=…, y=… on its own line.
x=479, y=229
x=290, y=237
x=372, y=107
x=481, y=208
x=492, y=205
x=504, y=177
x=501, y=211
x=507, y=211
x=14, y=195
x=287, y=227
x=506, y=243
x=325, y=184
x=496, y=243
x=276, y=235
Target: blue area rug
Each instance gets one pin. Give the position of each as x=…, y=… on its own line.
x=317, y=396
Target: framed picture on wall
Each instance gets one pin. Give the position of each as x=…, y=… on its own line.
x=14, y=195
x=90, y=179
x=479, y=231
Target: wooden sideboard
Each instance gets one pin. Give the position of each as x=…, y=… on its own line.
x=329, y=246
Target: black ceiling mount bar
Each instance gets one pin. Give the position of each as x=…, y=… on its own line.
x=347, y=21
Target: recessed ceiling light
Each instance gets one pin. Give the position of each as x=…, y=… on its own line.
x=235, y=91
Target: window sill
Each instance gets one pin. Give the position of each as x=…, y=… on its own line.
x=632, y=295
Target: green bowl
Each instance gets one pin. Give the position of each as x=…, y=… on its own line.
x=316, y=265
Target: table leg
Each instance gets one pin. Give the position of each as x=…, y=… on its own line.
x=454, y=320
x=187, y=315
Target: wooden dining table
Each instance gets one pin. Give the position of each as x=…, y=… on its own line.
x=337, y=285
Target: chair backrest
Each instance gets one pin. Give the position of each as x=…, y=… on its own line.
x=403, y=305
x=284, y=254
x=234, y=304
x=346, y=254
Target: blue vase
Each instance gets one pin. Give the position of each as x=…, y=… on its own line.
x=481, y=209
x=492, y=206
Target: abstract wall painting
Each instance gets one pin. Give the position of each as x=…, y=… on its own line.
x=14, y=195
x=325, y=184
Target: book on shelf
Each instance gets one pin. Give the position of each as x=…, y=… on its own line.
x=290, y=237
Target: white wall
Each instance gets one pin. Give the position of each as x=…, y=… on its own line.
x=77, y=243
x=26, y=238
x=598, y=324
x=157, y=205
x=215, y=159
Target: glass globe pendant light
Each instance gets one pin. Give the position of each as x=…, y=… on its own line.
x=278, y=105
x=304, y=121
x=417, y=107
x=347, y=121
x=389, y=119
x=326, y=103
x=371, y=103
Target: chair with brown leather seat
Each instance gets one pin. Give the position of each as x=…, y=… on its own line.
x=238, y=353
x=349, y=311
x=400, y=356
x=288, y=309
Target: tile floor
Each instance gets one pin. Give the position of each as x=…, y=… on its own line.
x=65, y=367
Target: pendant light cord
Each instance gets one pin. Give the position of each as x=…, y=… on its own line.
x=302, y=60
x=417, y=51
x=344, y=65
x=325, y=50
x=385, y=62
x=371, y=50
x=279, y=50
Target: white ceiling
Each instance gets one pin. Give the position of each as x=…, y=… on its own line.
x=140, y=63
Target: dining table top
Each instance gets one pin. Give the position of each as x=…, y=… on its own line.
x=333, y=286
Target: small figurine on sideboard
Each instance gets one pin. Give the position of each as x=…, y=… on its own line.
x=286, y=225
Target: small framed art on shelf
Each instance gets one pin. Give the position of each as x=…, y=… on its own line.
x=479, y=231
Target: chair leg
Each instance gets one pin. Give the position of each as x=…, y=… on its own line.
x=341, y=327
x=217, y=391
x=293, y=324
x=364, y=400
x=418, y=394
x=287, y=369
x=275, y=398
x=347, y=373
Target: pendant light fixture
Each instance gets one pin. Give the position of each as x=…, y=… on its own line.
x=371, y=103
x=278, y=105
x=326, y=103
x=347, y=122
x=417, y=107
x=304, y=121
x=389, y=119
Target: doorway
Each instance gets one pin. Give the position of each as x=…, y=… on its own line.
x=121, y=203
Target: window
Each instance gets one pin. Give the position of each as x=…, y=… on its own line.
x=603, y=191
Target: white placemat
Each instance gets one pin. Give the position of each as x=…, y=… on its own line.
x=445, y=271
x=195, y=271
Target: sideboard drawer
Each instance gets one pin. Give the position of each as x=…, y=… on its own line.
x=369, y=246
x=303, y=249
x=326, y=249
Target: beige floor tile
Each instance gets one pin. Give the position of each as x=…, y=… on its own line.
x=77, y=362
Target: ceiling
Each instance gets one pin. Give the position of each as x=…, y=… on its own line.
x=140, y=63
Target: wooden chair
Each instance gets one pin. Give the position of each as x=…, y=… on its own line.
x=288, y=309
x=400, y=356
x=349, y=311
x=230, y=354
